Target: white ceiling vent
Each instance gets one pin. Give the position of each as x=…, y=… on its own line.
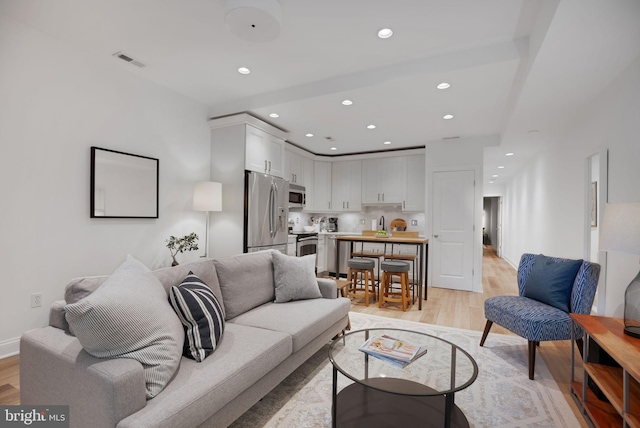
x=451, y=138
x=123, y=56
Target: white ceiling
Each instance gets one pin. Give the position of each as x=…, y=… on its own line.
x=513, y=65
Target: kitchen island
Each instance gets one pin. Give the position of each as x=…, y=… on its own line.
x=422, y=245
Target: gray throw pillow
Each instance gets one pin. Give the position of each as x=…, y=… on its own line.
x=129, y=316
x=295, y=277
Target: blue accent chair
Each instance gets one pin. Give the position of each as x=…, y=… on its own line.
x=537, y=321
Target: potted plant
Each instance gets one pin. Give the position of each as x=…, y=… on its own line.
x=180, y=245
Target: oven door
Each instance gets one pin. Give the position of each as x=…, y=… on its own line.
x=306, y=246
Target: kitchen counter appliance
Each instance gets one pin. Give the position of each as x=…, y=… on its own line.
x=265, y=212
x=332, y=225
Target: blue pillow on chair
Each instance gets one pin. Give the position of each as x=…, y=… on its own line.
x=551, y=282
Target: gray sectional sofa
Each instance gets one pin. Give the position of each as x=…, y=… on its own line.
x=263, y=343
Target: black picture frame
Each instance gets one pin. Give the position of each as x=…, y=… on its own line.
x=123, y=185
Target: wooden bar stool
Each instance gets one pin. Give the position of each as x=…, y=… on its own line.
x=367, y=287
x=401, y=269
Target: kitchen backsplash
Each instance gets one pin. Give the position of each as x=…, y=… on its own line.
x=352, y=222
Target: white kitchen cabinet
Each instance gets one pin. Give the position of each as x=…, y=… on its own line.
x=321, y=187
x=413, y=183
x=291, y=245
x=308, y=172
x=294, y=168
x=321, y=256
x=346, y=186
x=382, y=181
x=264, y=152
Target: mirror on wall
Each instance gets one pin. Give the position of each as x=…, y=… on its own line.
x=123, y=185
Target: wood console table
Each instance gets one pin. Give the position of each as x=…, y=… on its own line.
x=621, y=385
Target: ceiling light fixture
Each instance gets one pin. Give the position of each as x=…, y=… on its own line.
x=491, y=182
x=495, y=175
x=334, y=148
x=371, y=127
x=509, y=154
x=347, y=102
x=443, y=85
x=244, y=70
x=385, y=33
x=274, y=115
x=447, y=116
x=387, y=142
x=501, y=167
x=309, y=135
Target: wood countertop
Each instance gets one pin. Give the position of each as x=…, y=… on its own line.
x=391, y=239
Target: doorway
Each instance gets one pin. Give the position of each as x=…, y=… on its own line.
x=492, y=224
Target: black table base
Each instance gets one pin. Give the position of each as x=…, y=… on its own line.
x=361, y=406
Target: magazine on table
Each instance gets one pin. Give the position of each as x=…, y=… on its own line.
x=392, y=350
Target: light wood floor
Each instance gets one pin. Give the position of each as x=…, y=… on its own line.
x=450, y=308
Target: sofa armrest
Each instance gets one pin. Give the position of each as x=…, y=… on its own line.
x=328, y=288
x=55, y=370
x=56, y=315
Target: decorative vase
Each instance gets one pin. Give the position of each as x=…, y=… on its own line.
x=175, y=262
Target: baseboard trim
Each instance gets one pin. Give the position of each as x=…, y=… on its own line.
x=9, y=347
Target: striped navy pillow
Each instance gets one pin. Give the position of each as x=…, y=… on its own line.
x=200, y=314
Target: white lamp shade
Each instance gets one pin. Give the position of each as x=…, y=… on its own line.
x=207, y=196
x=620, y=230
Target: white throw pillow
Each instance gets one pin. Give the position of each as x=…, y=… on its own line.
x=295, y=277
x=129, y=316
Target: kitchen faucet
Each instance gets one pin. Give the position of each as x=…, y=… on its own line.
x=381, y=222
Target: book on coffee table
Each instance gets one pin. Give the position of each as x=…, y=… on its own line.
x=392, y=350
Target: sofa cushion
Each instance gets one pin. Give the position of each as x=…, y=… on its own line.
x=551, y=281
x=198, y=390
x=80, y=288
x=246, y=281
x=304, y=320
x=295, y=277
x=129, y=316
x=200, y=314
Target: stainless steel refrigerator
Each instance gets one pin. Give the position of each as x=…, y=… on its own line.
x=266, y=208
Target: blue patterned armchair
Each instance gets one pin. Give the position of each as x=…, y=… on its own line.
x=537, y=321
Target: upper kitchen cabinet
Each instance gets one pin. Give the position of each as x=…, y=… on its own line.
x=413, y=183
x=308, y=174
x=321, y=199
x=382, y=181
x=264, y=152
x=346, y=186
x=294, y=168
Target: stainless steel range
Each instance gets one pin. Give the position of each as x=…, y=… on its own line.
x=306, y=243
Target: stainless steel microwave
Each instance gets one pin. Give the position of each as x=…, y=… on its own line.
x=297, y=198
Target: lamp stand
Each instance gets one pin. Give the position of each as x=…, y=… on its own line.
x=206, y=237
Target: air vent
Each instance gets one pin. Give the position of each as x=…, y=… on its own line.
x=329, y=138
x=451, y=138
x=127, y=58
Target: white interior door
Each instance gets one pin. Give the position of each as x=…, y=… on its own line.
x=453, y=221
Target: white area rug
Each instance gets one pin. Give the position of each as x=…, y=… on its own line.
x=502, y=395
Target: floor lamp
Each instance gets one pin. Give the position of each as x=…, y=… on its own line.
x=207, y=196
x=621, y=233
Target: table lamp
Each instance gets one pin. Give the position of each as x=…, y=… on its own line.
x=621, y=233
x=207, y=196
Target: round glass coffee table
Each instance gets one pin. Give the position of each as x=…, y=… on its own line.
x=384, y=394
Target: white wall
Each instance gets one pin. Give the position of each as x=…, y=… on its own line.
x=55, y=104
x=544, y=204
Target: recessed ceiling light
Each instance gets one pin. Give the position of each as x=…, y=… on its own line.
x=334, y=148
x=447, y=116
x=501, y=167
x=443, y=85
x=387, y=142
x=244, y=70
x=509, y=154
x=309, y=135
x=347, y=102
x=491, y=182
x=274, y=115
x=371, y=126
x=495, y=175
x=385, y=33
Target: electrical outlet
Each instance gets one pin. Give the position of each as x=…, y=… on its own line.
x=361, y=221
x=36, y=300
x=414, y=222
